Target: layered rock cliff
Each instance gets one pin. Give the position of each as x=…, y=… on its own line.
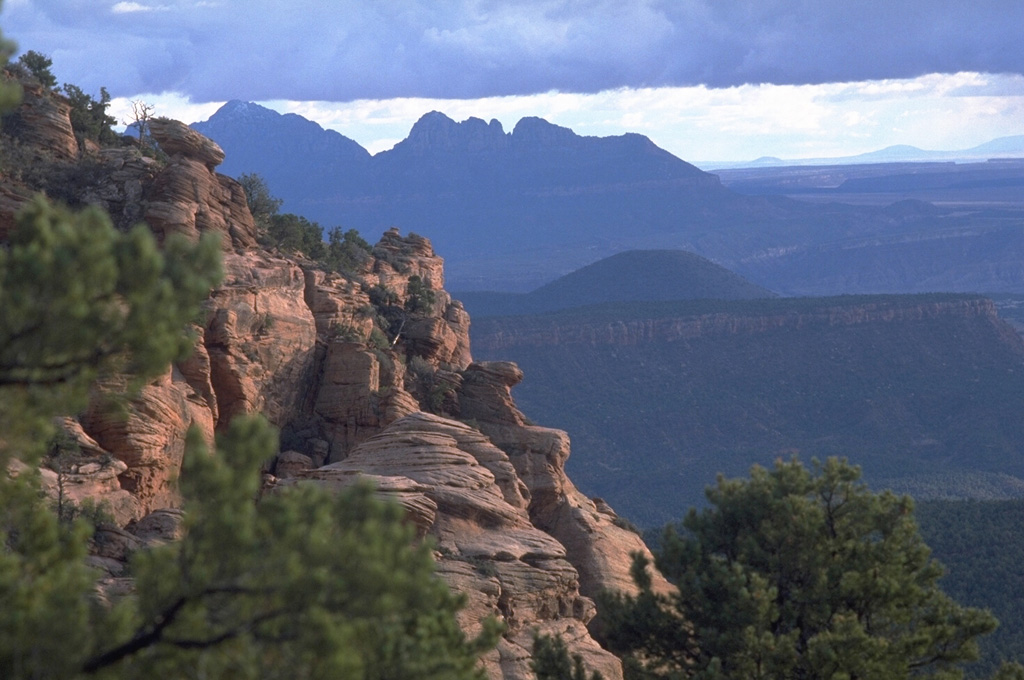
x=538, y=331
x=404, y=406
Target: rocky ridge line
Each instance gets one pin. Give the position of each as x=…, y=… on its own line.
x=501, y=334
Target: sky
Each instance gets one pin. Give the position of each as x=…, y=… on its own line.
x=726, y=80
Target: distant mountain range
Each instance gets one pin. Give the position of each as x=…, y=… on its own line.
x=1003, y=147
x=511, y=211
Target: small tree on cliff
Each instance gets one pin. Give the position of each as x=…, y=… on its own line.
x=38, y=65
x=140, y=116
x=89, y=117
x=551, y=661
x=262, y=204
x=795, y=574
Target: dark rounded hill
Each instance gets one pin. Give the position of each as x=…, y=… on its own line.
x=631, y=276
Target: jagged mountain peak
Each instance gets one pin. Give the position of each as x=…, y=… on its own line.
x=536, y=131
x=437, y=132
x=237, y=113
x=307, y=157
x=237, y=108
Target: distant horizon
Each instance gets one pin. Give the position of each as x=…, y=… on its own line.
x=707, y=80
x=374, y=146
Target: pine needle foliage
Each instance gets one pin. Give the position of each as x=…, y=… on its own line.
x=795, y=573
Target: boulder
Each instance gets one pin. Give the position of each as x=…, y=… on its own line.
x=187, y=197
x=177, y=139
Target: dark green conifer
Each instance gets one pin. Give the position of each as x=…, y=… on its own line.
x=796, y=573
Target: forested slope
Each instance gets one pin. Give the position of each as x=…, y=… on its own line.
x=981, y=544
x=925, y=392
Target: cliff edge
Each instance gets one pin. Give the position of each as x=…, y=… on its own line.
x=367, y=374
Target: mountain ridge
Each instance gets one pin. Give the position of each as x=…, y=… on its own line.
x=1011, y=146
x=515, y=210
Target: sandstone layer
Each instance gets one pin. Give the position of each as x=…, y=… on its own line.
x=502, y=334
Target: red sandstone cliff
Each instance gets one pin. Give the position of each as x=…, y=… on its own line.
x=285, y=339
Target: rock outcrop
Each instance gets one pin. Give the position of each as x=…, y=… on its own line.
x=594, y=538
x=43, y=123
x=188, y=197
x=463, y=491
x=368, y=375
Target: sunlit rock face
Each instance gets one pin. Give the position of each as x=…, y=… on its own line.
x=400, y=405
x=188, y=197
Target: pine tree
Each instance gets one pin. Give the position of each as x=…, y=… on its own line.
x=795, y=573
x=80, y=300
x=551, y=661
x=302, y=584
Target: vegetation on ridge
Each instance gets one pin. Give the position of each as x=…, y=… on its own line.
x=795, y=573
x=926, y=405
x=89, y=118
x=344, y=251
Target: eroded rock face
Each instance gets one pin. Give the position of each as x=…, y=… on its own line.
x=309, y=351
x=595, y=541
x=512, y=531
x=176, y=138
x=402, y=258
x=464, y=492
x=187, y=197
x=148, y=435
x=360, y=392
x=44, y=122
x=260, y=339
x=338, y=305
x=86, y=473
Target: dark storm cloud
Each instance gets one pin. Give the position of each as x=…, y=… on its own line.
x=314, y=49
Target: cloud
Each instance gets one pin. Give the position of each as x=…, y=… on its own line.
x=130, y=7
x=168, y=105
x=735, y=123
x=354, y=49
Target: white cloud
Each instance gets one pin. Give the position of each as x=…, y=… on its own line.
x=132, y=7
x=167, y=104
x=735, y=123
